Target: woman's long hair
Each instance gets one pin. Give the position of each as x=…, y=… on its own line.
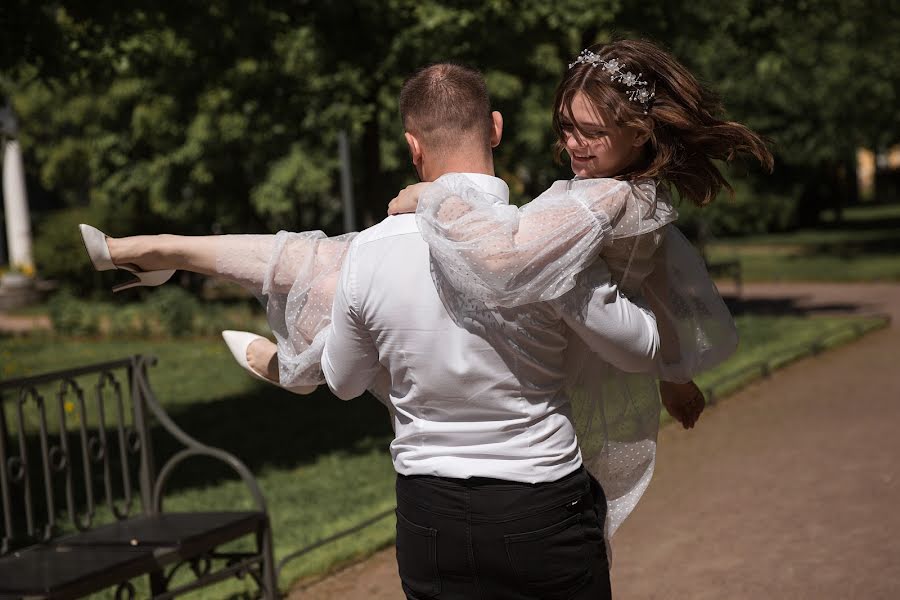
x=685, y=133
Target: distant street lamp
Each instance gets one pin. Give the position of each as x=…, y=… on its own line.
x=346, y=182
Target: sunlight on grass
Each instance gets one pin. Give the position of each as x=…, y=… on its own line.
x=864, y=247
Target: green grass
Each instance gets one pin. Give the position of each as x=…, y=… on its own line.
x=865, y=246
x=322, y=464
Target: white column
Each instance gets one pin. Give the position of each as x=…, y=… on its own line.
x=18, y=223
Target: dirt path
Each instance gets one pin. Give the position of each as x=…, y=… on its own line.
x=10, y=324
x=789, y=489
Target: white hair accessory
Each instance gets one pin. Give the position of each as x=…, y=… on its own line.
x=640, y=91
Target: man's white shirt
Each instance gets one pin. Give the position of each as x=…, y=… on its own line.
x=475, y=392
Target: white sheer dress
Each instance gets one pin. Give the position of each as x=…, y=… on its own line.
x=508, y=256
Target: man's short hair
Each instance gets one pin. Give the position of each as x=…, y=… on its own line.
x=444, y=102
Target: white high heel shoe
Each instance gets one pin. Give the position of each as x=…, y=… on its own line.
x=98, y=251
x=239, y=341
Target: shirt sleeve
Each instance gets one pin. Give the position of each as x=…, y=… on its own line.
x=615, y=328
x=350, y=358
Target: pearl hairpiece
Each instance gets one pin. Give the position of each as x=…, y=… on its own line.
x=616, y=70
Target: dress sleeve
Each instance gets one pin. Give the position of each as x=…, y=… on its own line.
x=294, y=275
x=508, y=256
x=696, y=329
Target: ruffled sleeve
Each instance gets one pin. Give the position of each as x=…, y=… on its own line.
x=294, y=275
x=508, y=256
x=696, y=329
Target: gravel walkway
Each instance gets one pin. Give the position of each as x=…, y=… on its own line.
x=20, y=325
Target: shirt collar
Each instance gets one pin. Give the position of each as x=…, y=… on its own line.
x=493, y=186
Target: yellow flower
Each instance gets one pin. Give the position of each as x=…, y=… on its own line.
x=69, y=406
x=25, y=269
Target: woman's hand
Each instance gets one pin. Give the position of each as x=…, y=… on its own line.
x=684, y=401
x=408, y=199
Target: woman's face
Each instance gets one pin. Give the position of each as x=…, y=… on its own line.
x=604, y=149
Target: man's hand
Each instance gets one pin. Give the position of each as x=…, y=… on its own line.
x=684, y=401
x=408, y=199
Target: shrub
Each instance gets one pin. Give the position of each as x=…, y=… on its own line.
x=71, y=316
x=174, y=308
x=131, y=320
x=59, y=253
x=751, y=211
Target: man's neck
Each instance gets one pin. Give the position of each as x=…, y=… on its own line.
x=457, y=164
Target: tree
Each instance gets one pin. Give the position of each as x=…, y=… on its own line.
x=222, y=115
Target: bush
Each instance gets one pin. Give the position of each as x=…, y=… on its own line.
x=71, y=316
x=168, y=311
x=59, y=253
x=131, y=320
x=174, y=309
x=751, y=211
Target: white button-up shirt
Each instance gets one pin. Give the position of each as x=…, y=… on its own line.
x=475, y=392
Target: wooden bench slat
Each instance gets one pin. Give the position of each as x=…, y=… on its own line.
x=167, y=529
x=64, y=573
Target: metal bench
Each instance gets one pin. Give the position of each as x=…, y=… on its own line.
x=63, y=449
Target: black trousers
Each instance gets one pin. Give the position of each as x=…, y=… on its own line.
x=489, y=539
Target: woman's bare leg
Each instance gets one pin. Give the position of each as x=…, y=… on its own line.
x=198, y=254
x=244, y=259
x=153, y=252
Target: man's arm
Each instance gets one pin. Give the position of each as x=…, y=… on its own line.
x=614, y=327
x=350, y=359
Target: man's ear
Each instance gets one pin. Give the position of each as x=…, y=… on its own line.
x=496, y=128
x=415, y=150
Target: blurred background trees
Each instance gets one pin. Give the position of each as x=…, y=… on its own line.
x=211, y=116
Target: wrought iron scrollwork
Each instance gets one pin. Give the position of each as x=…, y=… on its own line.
x=245, y=569
x=59, y=459
x=125, y=591
x=16, y=467
x=134, y=440
x=239, y=565
x=96, y=448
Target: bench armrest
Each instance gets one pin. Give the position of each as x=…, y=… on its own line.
x=192, y=448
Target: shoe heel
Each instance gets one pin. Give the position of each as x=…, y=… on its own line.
x=145, y=278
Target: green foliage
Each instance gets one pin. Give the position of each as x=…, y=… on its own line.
x=59, y=253
x=218, y=116
x=175, y=308
x=166, y=312
x=864, y=246
x=73, y=317
x=750, y=211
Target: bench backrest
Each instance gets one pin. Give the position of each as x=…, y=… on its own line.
x=74, y=445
